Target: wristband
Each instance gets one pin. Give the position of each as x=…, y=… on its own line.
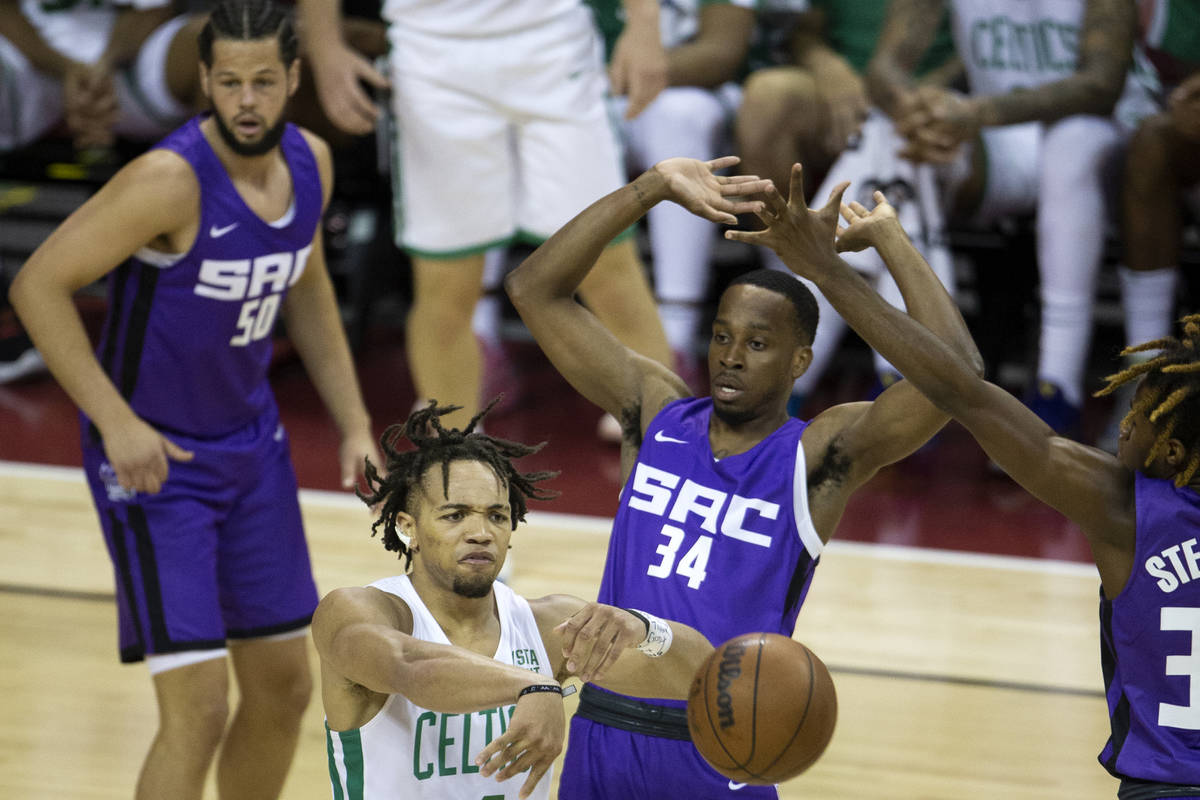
x=540, y=687
x=658, y=634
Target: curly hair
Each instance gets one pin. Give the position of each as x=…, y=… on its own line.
x=1171, y=399
x=437, y=445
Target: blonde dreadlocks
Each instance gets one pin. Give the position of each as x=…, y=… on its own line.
x=1171, y=400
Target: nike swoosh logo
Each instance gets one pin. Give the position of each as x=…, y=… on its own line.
x=216, y=232
x=659, y=436
x=733, y=787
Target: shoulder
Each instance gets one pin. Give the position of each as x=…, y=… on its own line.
x=324, y=158
x=162, y=171
x=360, y=604
x=160, y=186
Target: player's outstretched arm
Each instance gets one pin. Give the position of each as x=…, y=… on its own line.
x=363, y=637
x=600, y=643
x=153, y=198
x=1085, y=484
x=543, y=288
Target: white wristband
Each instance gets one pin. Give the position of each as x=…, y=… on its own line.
x=658, y=634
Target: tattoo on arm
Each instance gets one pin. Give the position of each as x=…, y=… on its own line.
x=907, y=33
x=1105, y=51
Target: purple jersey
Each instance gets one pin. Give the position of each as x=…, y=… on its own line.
x=726, y=546
x=1150, y=643
x=188, y=344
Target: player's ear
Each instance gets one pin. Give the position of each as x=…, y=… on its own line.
x=1175, y=455
x=293, y=76
x=802, y=357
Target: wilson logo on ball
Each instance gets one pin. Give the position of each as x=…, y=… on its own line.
x=731, y=668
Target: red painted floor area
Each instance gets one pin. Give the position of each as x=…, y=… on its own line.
x=944, y=496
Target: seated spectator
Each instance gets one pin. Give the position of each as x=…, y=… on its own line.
x=706, y=46
x=1050, y=98
x=815, y=106
x=1161, y=181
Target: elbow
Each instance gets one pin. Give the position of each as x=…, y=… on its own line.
x=516, y=286
x=1099, y=94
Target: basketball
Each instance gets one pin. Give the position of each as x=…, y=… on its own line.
x=762, y=708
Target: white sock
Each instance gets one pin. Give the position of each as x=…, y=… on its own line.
x=1071, y=226
x=1066, y=334
x=485, y=321
x=1148, y=297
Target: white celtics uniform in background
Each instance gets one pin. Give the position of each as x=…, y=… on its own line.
x=31, y=102
x=501, y=128
x=408, y=752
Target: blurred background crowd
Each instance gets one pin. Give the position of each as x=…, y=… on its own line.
x=1045, y=156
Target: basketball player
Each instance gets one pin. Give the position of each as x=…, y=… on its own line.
x=1139, y=509
x=494, y=101
x=1051, y=101
x=728, y=501
x=102, y=68
x=183, y=450
x=436, y=680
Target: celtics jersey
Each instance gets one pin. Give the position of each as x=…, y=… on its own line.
x=1006, y=46
x=678, y=21
x=409, y=752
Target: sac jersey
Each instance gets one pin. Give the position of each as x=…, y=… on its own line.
x=411, y=752
x=726, y=546
x=1150, y=643
x=188, y=339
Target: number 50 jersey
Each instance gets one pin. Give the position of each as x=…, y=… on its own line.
x=188, y=337
x=726, y=546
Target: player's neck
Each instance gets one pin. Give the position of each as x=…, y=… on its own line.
x=454, y=612
x=728, y=438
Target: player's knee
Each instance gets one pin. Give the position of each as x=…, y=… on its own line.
x=284, y=694
x=201, y=721
x=1077, y=149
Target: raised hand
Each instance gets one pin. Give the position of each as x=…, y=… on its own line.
x=532, y=741
x=692, y=184
x=595, y=636
x=863, y=228
x=803, y=238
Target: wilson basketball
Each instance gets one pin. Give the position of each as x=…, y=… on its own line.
x=762, y=708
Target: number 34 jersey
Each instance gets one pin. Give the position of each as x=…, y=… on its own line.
x=1150, y=643
x=726, y=546
x=188, y=337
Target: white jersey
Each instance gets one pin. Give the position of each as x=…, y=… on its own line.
x=473, y=18
x=406, y=751
x=79, y=29
x=1016, y=44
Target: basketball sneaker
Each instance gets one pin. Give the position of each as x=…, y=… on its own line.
x=1051, y=405
x=19, y=358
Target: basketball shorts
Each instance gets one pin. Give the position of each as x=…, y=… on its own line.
x=219, y=553
x=31, y=102
x=497, y=138
x=606, y=763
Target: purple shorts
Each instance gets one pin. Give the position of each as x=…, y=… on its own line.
x=607, y=763
x=219, y=553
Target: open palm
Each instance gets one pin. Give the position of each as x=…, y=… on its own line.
x=862, y=226
x=693, y=185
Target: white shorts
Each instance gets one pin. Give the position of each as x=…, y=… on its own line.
x=32, y=103
x=498, y=138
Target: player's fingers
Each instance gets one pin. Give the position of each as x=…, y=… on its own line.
x=749, y=237
x=175, y=452
x=879, y=197
x=535, y=775
x=859, y=208
x=773, y=201
x=744, y=207
x=491, y=757
x=848, y=213
x=373, y=76
x=835, y=199
x=796, y=188
x=722, y=162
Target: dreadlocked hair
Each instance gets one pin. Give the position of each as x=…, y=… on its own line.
x=1171, y=399
x=246, y=21
x=438, y=445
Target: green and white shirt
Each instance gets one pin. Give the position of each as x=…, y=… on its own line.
x=409, y=752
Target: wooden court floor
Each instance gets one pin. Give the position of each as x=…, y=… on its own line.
x=958, y=675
